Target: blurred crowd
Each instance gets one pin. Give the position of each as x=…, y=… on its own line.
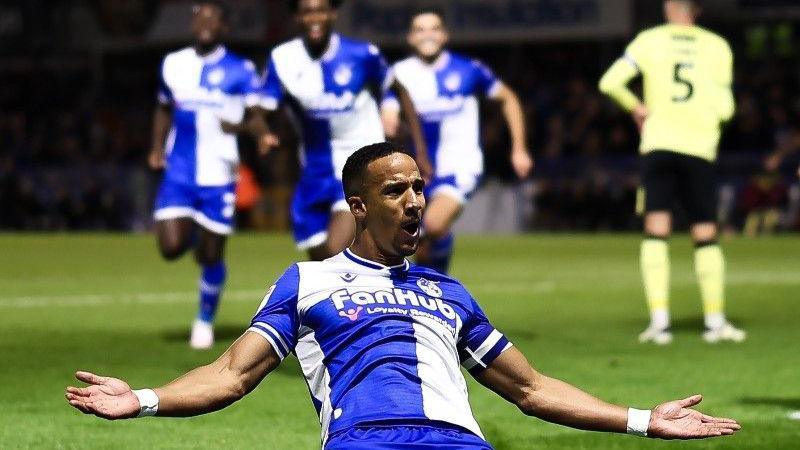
x=72, y=152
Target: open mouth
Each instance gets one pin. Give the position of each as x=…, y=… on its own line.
x=411, y=227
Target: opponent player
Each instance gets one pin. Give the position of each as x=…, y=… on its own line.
x=331, y=83
x=379, y=341
x=202, y=87
x=445, y=88
x=687, y=73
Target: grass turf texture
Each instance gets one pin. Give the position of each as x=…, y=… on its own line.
x=572, y=304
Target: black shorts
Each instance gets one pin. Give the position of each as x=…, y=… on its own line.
x=670, y=177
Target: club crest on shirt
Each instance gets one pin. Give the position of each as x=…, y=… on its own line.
x=429, y=287
x=347, y=277
x=343, y=74
x=453, y=81
x=216, y=76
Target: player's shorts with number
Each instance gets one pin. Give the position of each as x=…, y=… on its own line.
x=211, y=207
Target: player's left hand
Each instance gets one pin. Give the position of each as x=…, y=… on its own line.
x=106, y=397
x=676, y=420
x=522, y=162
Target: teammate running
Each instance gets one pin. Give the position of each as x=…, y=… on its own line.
x=687, y=73
x=331, y=83
x=201, y=88
x=380, y=341
x=446, y=88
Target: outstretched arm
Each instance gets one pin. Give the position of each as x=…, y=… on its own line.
x=515, y=118
x=412, y=119
x=205, y=389
x=513, y=378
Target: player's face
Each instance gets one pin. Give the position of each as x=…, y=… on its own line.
x=394, y=201
x=316, y=18
x=427, y=35
x=208, y=25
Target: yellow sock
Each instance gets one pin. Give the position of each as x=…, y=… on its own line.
x=709, y=265
x=654, y=259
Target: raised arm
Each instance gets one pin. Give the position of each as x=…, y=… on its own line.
x=412, y=119
x=512, y=377
x=205, y=389
x=515, y=118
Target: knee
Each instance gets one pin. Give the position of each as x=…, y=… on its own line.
x=171, y=249
x=704, y=233
x=657, y=226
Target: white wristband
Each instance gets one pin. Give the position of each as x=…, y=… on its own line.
x=638, y=421
x=148, y=402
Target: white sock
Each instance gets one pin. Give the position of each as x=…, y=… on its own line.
x=659, y=319
x=714, y=320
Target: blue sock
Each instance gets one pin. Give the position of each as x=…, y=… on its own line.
x=211, y=283
x=441, y=251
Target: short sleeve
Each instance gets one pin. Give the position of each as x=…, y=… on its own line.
x=479, y=343
x=164, y=92
x=276, y=319
x=487, y=83
x=636, y=52
x=390, y=101
x=250, y=83
x=269, y=93
x=378, y=71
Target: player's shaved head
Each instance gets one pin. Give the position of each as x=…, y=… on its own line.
x=354, y=174
x=681, y=11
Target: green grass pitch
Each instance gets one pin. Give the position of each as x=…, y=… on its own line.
x=572, y=304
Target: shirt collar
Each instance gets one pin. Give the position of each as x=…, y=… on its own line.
x=440, y=63
x=334, y=42
x=374, y=265
x=214, y=56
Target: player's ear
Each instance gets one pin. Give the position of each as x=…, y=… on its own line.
x=357, y=207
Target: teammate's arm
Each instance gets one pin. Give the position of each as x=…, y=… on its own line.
x=512, y=377
x=162, y=122
x=205, y=389
x=515, y=118
x=412, y=119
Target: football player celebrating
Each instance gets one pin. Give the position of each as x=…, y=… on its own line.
x=203, y=89
x=380, y=342
x=330, y=82
x=445, y=88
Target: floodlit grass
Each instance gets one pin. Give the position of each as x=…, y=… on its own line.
x=572, y=304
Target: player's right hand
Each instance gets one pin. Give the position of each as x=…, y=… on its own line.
x=156, y=159
x=640, y=114
x=105, y=397
x=267, y=142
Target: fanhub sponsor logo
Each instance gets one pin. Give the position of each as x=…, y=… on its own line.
x=342, y=298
